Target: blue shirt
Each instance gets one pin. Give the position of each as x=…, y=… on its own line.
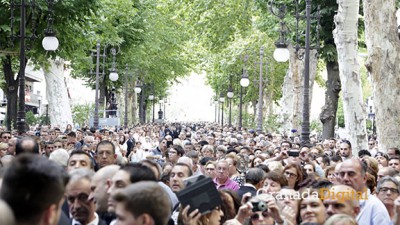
x=373, y=212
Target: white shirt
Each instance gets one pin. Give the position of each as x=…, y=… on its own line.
x=93, y=222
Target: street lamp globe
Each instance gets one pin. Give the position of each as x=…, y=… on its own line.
x=151, y=97
x=113, y=76
x=244, y=82
x=281, y=54
x=138, y=90
x=230, y=94
x=50, y=42
x=222, y=99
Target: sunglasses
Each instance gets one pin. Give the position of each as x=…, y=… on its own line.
x=258, y=216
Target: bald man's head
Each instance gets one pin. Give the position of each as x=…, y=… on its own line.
x=341, y=199
x=99, y=186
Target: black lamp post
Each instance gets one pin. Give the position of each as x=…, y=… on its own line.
x=50, y=43
x=151, y=98
x=113, y=77
x=281, y=54
x=126, y=98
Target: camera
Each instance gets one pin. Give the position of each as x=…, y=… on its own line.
x=294, y=153
x=259, y=206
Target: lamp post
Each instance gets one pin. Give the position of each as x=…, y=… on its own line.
x=230, y=96
x=113, y=77
x=39, y=106
x=151, y=98
x=260, y=95
x=126, y=98
x=244, y=82
x=49, y=44
x=216, y=110
x=222, y=100
x=281, y=54
x=138, y=89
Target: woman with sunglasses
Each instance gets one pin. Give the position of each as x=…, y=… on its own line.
x=261, y=209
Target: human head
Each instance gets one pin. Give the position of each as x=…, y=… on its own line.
x=345, y=149
x=33, y=187
x=222, y=170
x=335, y=205
x=383, y=159
x=210, y=169
x=393, y=152
x=274, y=182
x=208, y=151
x=81, y=207
x=233, y=161
x=385, y=171
x=353, y=173
x=175, y=152
x=341, y=219
x=178, y=173
x=293, y=174
x=79, y=159
x=144, y=202
x=312, y=209
x=388, y=190
x=255, y=176
x=126, y=175
x=99, y=186
x=26, y=144
x=394, y=162
x=6, y=214
x=5, y=136
x=60, y=156
x=105, y=153
x=3, y=149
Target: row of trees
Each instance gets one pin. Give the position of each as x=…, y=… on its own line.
x=161, y=40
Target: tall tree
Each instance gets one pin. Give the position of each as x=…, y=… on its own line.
x=346, y=40
x=383, y=56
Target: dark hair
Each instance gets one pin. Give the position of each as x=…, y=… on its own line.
x=31, y=184
x=336, y=158
x=139, y=172
x=346, y=142
x=106, y=142
x=396, y=151
x=229, y=213
x=277, y=177
x=26, y=144
x=363, y=152
x=288, y=142
x=81, y=152
x=179, y=149
x=145, y=197
x=254, y=176
x=184, y=165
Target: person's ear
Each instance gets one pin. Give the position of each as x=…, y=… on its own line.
x=115, y=156
x=51, y=214
x=145, y=219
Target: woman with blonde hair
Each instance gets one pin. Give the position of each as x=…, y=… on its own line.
x=233, y=161
x=341, y=219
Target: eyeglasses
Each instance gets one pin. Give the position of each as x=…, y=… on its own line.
x=386, y=189
x=172, y=152
x=289, y=174
x=6, y=137
x=258, y=216
x=210, y=168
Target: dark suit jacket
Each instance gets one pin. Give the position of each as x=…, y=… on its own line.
x=101, y=222
x=130, y=144
x=244, y=189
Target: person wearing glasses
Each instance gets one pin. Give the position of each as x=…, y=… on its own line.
x=294, y=175
x=81, y=208
x=174, y=153
x=388, y=191
x=5, y=136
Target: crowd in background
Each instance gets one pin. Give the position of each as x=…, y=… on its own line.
x=261, y=178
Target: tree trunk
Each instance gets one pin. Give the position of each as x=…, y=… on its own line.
x=56, y=93
x=11, y=92
x=345, y=35
x=292, y=90
x=328, y=114
x=383, y=65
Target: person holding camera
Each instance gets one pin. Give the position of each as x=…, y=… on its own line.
x=261, y=209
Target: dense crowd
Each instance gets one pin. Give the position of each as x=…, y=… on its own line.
x=138, y=176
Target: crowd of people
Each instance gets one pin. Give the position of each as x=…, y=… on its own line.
x=135, y=176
